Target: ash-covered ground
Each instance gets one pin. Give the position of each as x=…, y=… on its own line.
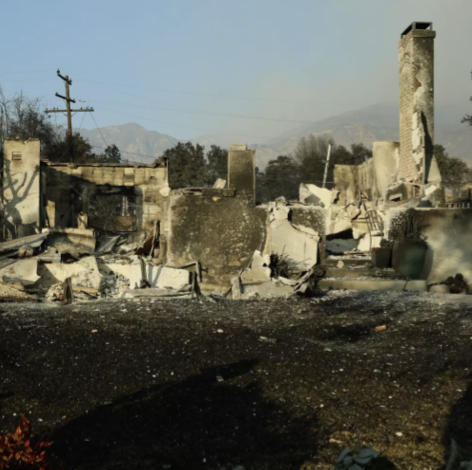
x=282, y=384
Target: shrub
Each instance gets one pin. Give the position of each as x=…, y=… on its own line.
x=19, y=452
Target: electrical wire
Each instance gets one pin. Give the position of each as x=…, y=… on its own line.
x=96, y=125
x=109, y=85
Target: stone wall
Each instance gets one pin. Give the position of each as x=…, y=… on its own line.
x=21, y=188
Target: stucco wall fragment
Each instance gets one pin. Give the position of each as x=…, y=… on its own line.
x=222, y=233
x=21, y=188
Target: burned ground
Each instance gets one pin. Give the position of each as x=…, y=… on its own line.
x=263, y=384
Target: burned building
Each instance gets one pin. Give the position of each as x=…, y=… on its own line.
x=387, y=212
x=40, y=194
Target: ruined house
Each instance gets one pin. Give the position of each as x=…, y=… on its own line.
x=257, y=250
x=40, y=194
x=402, y=180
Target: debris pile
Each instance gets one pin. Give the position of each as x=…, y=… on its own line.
x=287, y=265
x=81, y=264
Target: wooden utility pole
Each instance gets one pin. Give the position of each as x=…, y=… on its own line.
x=68, y=100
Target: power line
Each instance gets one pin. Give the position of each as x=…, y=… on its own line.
x=110, y=85
x=96, y=125
x=213, y=113
x=366, y=126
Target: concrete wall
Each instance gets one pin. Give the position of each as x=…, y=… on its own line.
x=386, y=158
x=21, y=188
x=68, y=189
x=222, y=232
x=366, y=179
x=241, y=171
x=314, y=218
x=448, y=234
x=346, y=182
x=416, y=67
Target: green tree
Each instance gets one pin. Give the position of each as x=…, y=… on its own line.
x=454, y=171
x=112, y=154
x=24, y=118
x=186, y=165
x=63, y=149
x=310, y=154
x=217, y=164
x=281, y=178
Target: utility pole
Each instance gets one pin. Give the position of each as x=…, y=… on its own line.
x=326, y=166
x=68, y=100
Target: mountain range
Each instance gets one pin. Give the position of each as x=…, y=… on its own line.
x=365, y=125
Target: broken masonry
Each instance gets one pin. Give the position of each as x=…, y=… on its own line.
x=85, y=231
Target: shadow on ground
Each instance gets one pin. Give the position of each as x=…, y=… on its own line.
x=459, y=427
x=198, y=423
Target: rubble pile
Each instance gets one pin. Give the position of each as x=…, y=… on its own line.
x=287, y=265
x=95, y=265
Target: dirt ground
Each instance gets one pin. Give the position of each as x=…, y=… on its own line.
x=282, y=384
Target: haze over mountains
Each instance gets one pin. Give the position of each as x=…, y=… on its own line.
x=365, y=125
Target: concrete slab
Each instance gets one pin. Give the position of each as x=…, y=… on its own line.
x=83, y=238
x=14, y=245
x=267, y=290
x=24, y=271
x=85, y=273
x=312, y=194
x=132, y=272
x=258, y=271
x=165, y=277
x=299, y=247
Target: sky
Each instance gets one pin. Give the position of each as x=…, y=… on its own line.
x=245, y=70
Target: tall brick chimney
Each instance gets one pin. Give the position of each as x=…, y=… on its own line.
x=416, y=67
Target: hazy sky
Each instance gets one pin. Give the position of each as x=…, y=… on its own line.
x=188, y=67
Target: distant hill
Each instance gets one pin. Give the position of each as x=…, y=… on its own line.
x=136, y=143
x=366, y=125
x=379, y=122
